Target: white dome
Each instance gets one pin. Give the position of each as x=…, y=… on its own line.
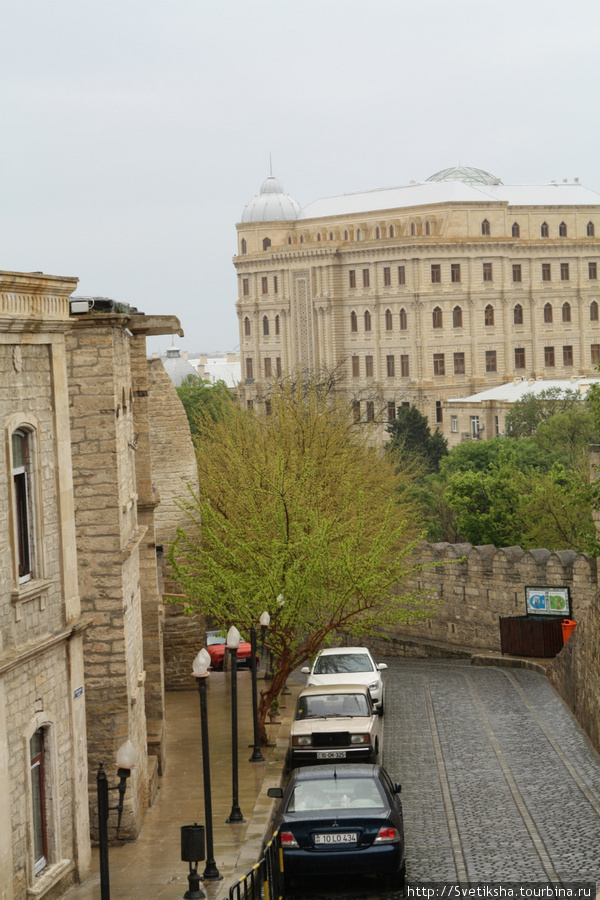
x=272, y=204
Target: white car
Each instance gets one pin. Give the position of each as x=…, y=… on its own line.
x=336, y=722
x=348, y=665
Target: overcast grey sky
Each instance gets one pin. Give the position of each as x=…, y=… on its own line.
x=134, y=132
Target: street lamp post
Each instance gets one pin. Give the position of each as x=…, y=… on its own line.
x=256, y=753
x=265, y=621
x=233, y=642
x=200, y=673
x=125, y=763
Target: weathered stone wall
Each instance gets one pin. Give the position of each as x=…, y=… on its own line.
x=174, y=468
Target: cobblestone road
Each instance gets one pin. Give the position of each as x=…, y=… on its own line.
x=498, y=782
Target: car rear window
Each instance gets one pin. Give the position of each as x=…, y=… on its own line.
x=332, y=664
x=324, y=705
x=336, y=793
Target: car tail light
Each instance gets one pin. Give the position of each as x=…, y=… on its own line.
x=288, y=839
x=360, y=739
x=387, y=836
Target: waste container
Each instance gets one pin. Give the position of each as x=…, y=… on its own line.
x=531, y=636
x=568, y=627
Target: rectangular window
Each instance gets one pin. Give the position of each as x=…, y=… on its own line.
x=370, y=411
x=519, y=357
x=355, y=366
x=391, y=410
x=356, y=411
x=246, y=287
x=352, y=278
x=439, y=412
x=454, y=424
x=267, y=366
x=23, y=496
x=278, y=366
x=549, y=357
x=38, y=789
x=595, y=354
x=387, y=276
x=366, y=278
x=265, y=285
x=459, y=363
x=436, y=274
x=475, y=428
x=592, y=271
x=455, y=273
x=546, y=272
x=490, y=360
x=567, y=356
x=439, y=367
x=275, y=284
x=401, y=275
x=516, y=272
x=487, y=272
x=250, y=404
x=268, y=408
x=369, y=366
x=391, y=366
x=404, y=366
x=564, y=271
x=249, y=368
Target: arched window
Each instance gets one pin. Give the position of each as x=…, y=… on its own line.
x=562, y=230
x=591, y=231
x=388, y=320
x=548, y=313
x=367, y=320
x=265, y=325
x=276, y=324
x=488, y=315
x=437, y=317
x=353, y=321
x=427, y=228
x=544, y=230
x=566, y=312
x=289, y=239
x=331, y=235
x=301, y=238
x=593, y=311
x=244, y=246
x=377, y=233
x=266, y=243
x=518, y=314
x=485, y=228
x=247, y=330
x=358, y=234
x=413, y=229
x=403, y=320
x=516, y=231
x=345, y=235
x=457, y=318
x=392, y=231
x=319, y=236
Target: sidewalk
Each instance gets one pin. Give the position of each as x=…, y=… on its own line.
x=150, y=867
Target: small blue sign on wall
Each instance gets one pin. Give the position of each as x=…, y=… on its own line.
x=548, y=601
x=78, y=692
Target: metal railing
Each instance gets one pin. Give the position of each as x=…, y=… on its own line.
x=264, y=881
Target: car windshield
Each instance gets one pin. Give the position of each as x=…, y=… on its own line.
x=324, y=705
x=336, y=793
x=214, y=638
x=334, y=663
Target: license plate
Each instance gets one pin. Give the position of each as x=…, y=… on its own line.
x=331, y=754
x=338, y=837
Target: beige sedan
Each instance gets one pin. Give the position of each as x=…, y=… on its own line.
x=334, y=722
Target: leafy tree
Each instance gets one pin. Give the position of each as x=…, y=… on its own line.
x=532, y=409
x=296, y=505
x=567, y=434
x=411, y=436
x=557, y=512
x=199, y=396
x=478, y=455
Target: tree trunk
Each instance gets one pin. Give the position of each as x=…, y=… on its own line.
x=267, y=697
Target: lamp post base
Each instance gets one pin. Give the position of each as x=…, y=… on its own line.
x=235, y=815
x=193, y=892
x=211, y=873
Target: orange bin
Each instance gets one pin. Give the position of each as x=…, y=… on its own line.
x=568, y=626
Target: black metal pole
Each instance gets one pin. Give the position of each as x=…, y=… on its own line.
x=236, y=814
x=102, y=789
x=256, y=754
x=210, y=869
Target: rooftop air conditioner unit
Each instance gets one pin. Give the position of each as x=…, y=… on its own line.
x=80, y=307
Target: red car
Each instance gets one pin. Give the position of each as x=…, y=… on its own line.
x=216, y=644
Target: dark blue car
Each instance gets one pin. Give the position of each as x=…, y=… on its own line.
x=341, y=819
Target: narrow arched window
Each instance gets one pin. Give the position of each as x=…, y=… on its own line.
x=437, y=317
x=403, y=320
x=566, y=312
x=488, y=315
x=388, y=320
x=358, y=234
x=247, y=330
x=516, y=231
x=266, y=243
x=331, y=235
x=457, y=317
x=353, y=321
x=289, y=240
x=265, y=325
x=319, y=236
x=591, y=231
x=544, y=232
x=367, y=320
x=548, y=313
x=301, y=238
x=392, y=231
x=485, y=228
x=427, y=228
x=244, y=246
x=276, y=324
x=593, y=311
x=562, y=230
x=518, y=314
x=345, y=235
x=377, y=233
x=413, y=229
x=23, y=500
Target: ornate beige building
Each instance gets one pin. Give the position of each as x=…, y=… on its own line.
x=433, y=290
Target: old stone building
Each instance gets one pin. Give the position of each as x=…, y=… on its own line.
x=423, y=292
